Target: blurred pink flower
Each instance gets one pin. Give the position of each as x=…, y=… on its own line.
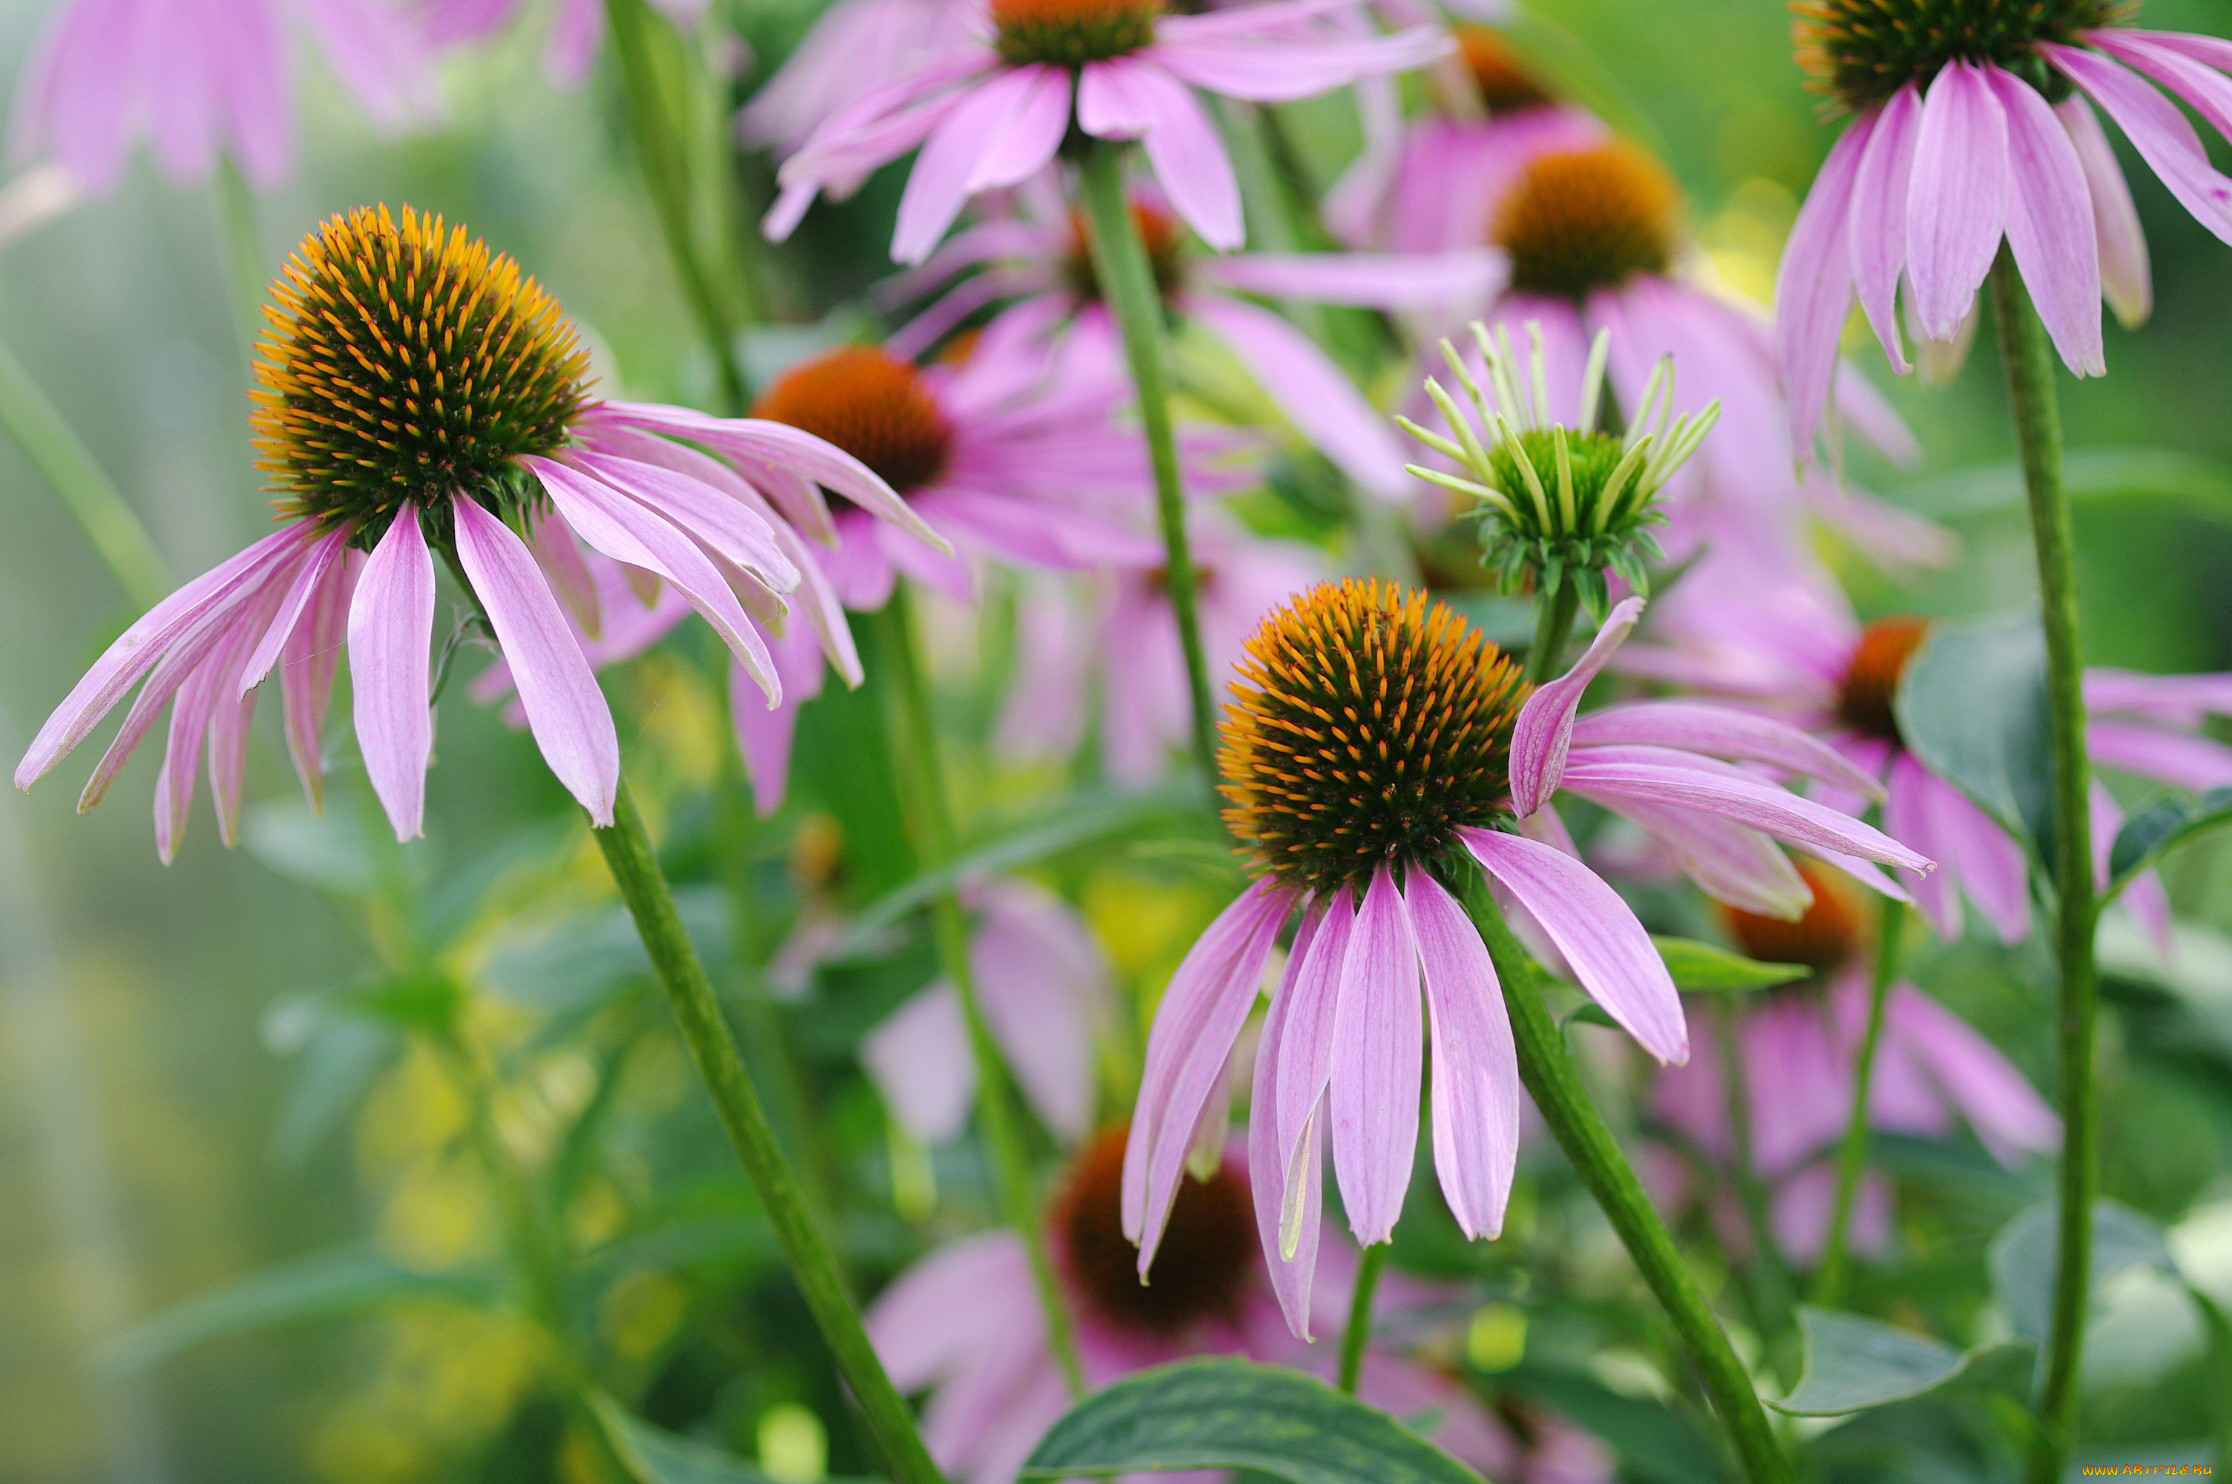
x=204, y=78
x=854, y=48
x=992, y=111
x=577, y=27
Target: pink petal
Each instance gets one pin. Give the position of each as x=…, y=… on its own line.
x=1978, y=854
x=2196, y=764
x=1041, y=980
x=1476, y=1068
x=920, y=1061
x=1957, y=198
x=764, y=735
x=1323, y=404
x=560, y=559
x=1312, y=992
x=1730, y=862
x=378, y=54
x=1610, y=954
x=2157, y=130
x=1910, y=815
x=1722, y=732
x=1545, y=730
x=1813, y=287
x=966, y=1298
x=1877, y=225
x=1999, y=1103
x=1368, y=280
x=2050, y=224
x=707, y=513
x=306, y=671
x=967, y=142
x=2125, y=276
x=1131, y=98
x=391, y=630
x=1270, y=1165
x=1377, y=1057
x=310, y=578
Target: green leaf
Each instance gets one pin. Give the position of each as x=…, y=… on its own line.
x=2022, y=1259
x=1700, y=968
x=1972, y=707
x=2089, y=474
x=2161, y=828
x=1229, y=1414
x=1655, y=1444
x=1854, y=1363
x=655, y=1456
x=325, y=1285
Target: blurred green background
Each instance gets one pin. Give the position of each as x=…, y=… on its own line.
x=140, y=1097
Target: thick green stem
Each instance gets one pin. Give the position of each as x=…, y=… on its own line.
x=1554, y=615
x=2029, y=364
x=667, y=113
x=1127, y=284
x=1358, y=1332
x=635, y=868
x=923, y=779
x=1852, y=1155
x=1547, y=1068
x=98, y=506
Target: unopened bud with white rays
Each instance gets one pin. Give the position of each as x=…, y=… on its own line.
x=1559, y=504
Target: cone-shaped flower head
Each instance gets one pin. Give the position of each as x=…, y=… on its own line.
x=1577, y=221
x=1869, y=687
x=1505, y=82
x=1859, y=53
x=1561, y=504
x=870, y=404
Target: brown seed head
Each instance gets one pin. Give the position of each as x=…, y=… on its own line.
x=872, y=405
x=1587, y=219
x=1201, y=1269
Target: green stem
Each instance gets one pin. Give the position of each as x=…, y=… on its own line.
x=1547, y=1068
x=2028, y=361
x=635, y=868
x=1127, y=284
x=98, y=506
x=916, y=751
x=1554, y=615
x=1358, y=1333
x=665, y=87
x=1852, y=1155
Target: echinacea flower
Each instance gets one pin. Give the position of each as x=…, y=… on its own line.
x=993, y=111
x=964, y=1324
x=577, y=27
x=1128, y=642
x=1973, y=124
x=1798, y=1046
x=203, y=79
x=1044, y=985
x=854, y=47
x=1371, y=738
x=1038, y=258
x=1798, y=649
x=419, y=394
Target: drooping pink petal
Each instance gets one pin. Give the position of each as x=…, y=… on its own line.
x=1545, y=729
x=1876, y=218
x=1730, y=862
x=1979, y=855
x=722, y=524
x=306, y=670
x=561, y=563
x=182, y=751
x=1722, y=732
x=391, y=634
x=1377, y=1061
x=1476, y=1069
x=1313, y=995
x=1224, y=59
x=1813, y=287
x=2144, y=897
x=1131, y=98
x=310, y=577
x=1910, y=815
x=1999, y=1103
x=2176, y=700
x=378, y=54
x=963, y=1299
x=1367, y=280
x=1956, y=198
x=74, y=97
x=1041, y=980
x=2126, y=279
x=566, y=711
x=971, y=140
x=2194, y=763
x=1610, y=954
x=920, y=1061
x=252, y=84
x=1270, y=1164
x=765, y=736
x=2161, y=134
x=2050, y=225
x=1323, y=404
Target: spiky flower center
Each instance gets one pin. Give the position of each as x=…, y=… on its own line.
x=872, y=405
x=1158, y=233
x=402, y=362
x=1870, y=684
x=1070, y=33
x=1200, y=1270
x=1587, y=219
x=1823, y=938
x=1860, y=52
x=1506, y=86
x=1366, y=724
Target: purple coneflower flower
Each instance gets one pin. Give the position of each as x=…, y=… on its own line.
x=419, y=394
x=1971, y=125
x=1039, y=259
x=1798, y=1045
x=1370, y=737
x=993, y=112
x=204, y=78
x=577, y=27
x=854, y=48
x=964, y=1325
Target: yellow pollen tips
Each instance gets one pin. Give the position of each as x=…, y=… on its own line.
x=1586, y=219
x=1367, y=723
x=1825, y=936
x=1871, y=678
x=402, y=361
x=872, y=405
x=1506, y=86
x=1070, y=33
x=1860, y=52
x=1201, y=1270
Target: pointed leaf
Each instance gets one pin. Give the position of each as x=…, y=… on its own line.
x=2161, y=828
x=1854, y=1363
x=1972, y=707
x=1701, y=968
x=2022, y=1259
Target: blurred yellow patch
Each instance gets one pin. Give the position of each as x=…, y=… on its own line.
x=444, y=1379
x=793, y=1446
x=641, y=1312
x=1496, y=1340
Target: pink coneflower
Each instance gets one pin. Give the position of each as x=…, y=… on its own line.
x=1795, y=646
x=577, y=27
x=204, y=78
x=1370, y=739
x=1956, y=144
x=419, y=394
x=854, y=48
x=1039, y=260
x=1798, y=1045
x=993, y=111
x=1044, y=985
x=963, y=1324
x=1128, y=642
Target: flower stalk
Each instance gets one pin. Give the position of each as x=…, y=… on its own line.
x=923, y=783
x=1356, y=1335
x=2028, y=361
x=1547, y=1068
x=1852, y=1154
x=1127, y=285
x=635, y=869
